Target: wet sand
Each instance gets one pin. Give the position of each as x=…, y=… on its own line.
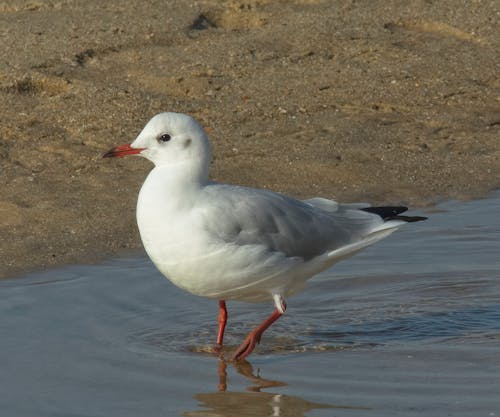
x=378, y=101
x=409, y=327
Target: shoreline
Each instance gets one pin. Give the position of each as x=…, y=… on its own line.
x=382, y=103
x=95, y=257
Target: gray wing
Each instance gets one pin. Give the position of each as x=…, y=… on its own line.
x=305, y=229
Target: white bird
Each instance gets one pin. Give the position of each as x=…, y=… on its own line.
x=229, y=242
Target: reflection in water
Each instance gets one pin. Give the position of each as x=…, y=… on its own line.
x=245, y=368
x=253, y=403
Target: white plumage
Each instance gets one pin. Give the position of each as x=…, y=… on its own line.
x=230, y=242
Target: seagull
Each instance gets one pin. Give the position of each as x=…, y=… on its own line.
x=229, y=242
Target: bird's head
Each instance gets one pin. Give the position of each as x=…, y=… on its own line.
x=169, y=139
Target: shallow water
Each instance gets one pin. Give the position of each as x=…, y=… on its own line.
x=410, y=327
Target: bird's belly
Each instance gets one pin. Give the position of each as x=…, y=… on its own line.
x=206, y=266
x=224, y=271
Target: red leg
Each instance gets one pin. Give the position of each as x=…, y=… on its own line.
x=254, y=336
x=222, y=322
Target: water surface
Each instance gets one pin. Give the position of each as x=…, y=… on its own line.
x=410, y=327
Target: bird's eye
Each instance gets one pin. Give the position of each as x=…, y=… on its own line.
x=165, y=137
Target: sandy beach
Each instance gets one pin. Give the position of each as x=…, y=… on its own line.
x=377, y=101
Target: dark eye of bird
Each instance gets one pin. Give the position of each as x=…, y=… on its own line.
x=164, y=138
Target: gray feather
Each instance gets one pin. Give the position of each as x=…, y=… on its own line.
x=303, y=229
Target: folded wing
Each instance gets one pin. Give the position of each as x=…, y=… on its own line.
x=303, y=229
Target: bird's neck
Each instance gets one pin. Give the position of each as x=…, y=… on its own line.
x=172, y=185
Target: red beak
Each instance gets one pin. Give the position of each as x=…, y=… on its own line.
x=122, y=150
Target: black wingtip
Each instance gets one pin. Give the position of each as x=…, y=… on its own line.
x=408, y=219
x=386, y=211
x=393, y=213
